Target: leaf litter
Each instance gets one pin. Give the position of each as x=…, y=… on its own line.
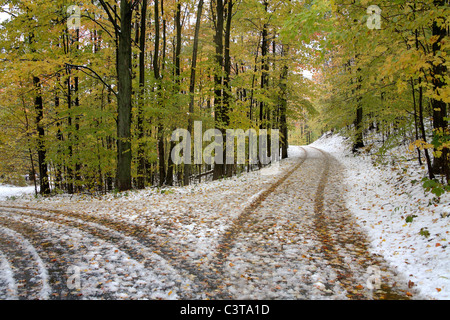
x=166, y=245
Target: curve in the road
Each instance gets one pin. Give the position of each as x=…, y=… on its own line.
x=41, y=273
x=60, y=255
x=329, y=227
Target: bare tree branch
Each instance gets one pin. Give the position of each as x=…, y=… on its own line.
x=95, y=75
x=107, y=7
x=101, y=25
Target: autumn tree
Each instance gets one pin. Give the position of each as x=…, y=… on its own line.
x=123, y=31
x=112, y=89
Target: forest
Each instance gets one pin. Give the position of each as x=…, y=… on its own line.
x=90, y=92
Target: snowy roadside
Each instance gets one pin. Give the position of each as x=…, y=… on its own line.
x=381, y=198
x=195, y=215
x=11, y=192
x=191, y=220
x=188, y=220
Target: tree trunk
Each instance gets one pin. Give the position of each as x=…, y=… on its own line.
x=187, y=167
x=422, y=129
x=416, y=121
x=141, y=172
x=157, y=75
x=70, y=177
x=43, y=174
x=439, y=107
x=359, y=142
x=170, y=164
x=255, y=69
x=265, y=70
x=219, y=115
x=226, y=81
x=78, y=182
x=33, y=170
x=124, y=68
x=283, y=107
x=60, y=138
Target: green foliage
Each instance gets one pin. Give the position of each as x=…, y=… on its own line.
x=388, y=73
x=410, y=218
x=79, y=80
x=424, y=232
x=381, y=71
x=435, y=187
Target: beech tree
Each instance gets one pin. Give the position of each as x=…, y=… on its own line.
x=390, y=75
x=112, y=90
x=123, y=30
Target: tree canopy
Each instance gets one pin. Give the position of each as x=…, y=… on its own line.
x=90, y=93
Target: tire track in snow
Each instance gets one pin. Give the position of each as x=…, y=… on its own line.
x=269, y=258
x=138, y=248
x=143, y=239
x=340, y=243
x=216, y=286
x=203, y=277
x=8, y=285
x=110, y=230
x=54, y=254
x=312, y=251
x=27, y=267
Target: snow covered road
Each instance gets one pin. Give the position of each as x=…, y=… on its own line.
x=276, y=234
x=301, y=243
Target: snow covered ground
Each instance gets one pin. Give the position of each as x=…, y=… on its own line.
x=382, y=197
x=182, y=224
x=190, y=222
x=8, y=191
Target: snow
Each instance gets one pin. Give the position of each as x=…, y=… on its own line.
x=102, y=266
x=192, y=220
x=41, y=269
x=381, y=197
x=8, y=287
x=8, y=191
x=278, y=257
